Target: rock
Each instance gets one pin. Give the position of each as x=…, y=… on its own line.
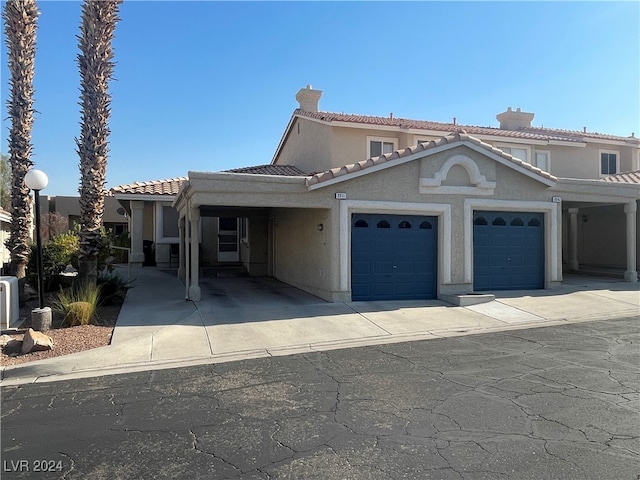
x=35, y=341
x=5, y=339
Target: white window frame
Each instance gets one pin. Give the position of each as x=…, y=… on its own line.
x=526, y=148
x=370, y=139
x=160, y=238
x=534, y=160
x=616, y=153
x=418, y=139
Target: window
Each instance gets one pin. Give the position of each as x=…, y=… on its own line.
x=426, y=225
x=383, y=224
x=360, y=223
x=377, y=146
x=608, y=162
x=169, y=221
x=517, y=222
x=404, y=224
x=517, y=152
x=499, y=221
x=542, y=160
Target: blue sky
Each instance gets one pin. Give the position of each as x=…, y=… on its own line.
x=209, y=86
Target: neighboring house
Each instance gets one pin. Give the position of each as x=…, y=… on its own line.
x=69, y=208
x=153, y=222
x=358, y=207
x=5, y=228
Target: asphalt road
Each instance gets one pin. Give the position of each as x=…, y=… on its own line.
x=559, y=402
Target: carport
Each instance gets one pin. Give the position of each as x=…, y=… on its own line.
x=280, y=231
x=600, y=227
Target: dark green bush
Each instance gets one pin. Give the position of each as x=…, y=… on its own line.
x=113, y=288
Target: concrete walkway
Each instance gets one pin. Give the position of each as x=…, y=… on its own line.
x=245, y=317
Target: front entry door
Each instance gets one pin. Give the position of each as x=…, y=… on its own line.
x=228, y=239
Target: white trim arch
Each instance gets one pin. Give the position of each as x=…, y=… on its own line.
x=480, y=185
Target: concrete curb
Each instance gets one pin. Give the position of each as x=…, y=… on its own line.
x=28, y=373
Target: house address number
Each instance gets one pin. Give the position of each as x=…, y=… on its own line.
x=341, y=195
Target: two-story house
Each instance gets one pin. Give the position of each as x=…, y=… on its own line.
x=361, y=207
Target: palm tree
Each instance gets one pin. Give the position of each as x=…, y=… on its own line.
x=20, y=17
x=99, y=18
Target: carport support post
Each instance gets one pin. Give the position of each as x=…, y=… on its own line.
x=194, y=285
x=181, y=249
x=137, y=229
x=573, y=239
x=630, y=208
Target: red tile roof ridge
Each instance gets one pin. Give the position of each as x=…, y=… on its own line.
x=624, y=177
x=169, y=186
x=530, y=132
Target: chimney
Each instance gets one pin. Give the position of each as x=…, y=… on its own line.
x=517, y=120
x=308, y=99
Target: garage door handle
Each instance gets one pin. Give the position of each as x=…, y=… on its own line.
x=395, y=266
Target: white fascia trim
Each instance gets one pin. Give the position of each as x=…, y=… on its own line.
x=440, y=210
x=604, y=141
x=144, y=198
x=551, y=232
x=565, y=143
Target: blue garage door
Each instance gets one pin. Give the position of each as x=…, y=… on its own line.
x=393, y=257
x=508, y=250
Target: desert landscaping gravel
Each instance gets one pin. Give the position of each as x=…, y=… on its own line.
x=65, y=340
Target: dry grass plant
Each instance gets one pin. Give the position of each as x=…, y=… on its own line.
x=77, y=304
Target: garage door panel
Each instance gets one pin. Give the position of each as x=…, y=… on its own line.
x=508, y=250
x=401, y=259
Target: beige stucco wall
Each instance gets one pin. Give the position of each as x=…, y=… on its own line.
x=602, y=236
x=70, y=206
x=302, y=254
x=305, y=147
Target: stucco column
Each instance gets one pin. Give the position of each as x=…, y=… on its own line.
x=181, y=249
x=573, y=238
x=137, y=224
x=631, y=275
x=194, y=285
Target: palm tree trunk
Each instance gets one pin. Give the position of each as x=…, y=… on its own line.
x=99, y=18
x=20, y=18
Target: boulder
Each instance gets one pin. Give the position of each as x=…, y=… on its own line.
x=34, y=341
x=5, y=339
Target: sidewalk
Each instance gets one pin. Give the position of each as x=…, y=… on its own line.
x=242, y=318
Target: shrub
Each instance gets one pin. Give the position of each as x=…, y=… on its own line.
x=77, y=304
x=61, y=251
x=113, y=288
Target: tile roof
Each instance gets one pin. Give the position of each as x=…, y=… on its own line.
x=154, y=187
x=285, y=170
x=399, y=154
x=624, y=177
x=531, y=133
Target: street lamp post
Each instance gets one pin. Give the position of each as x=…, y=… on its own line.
x=37, y=180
